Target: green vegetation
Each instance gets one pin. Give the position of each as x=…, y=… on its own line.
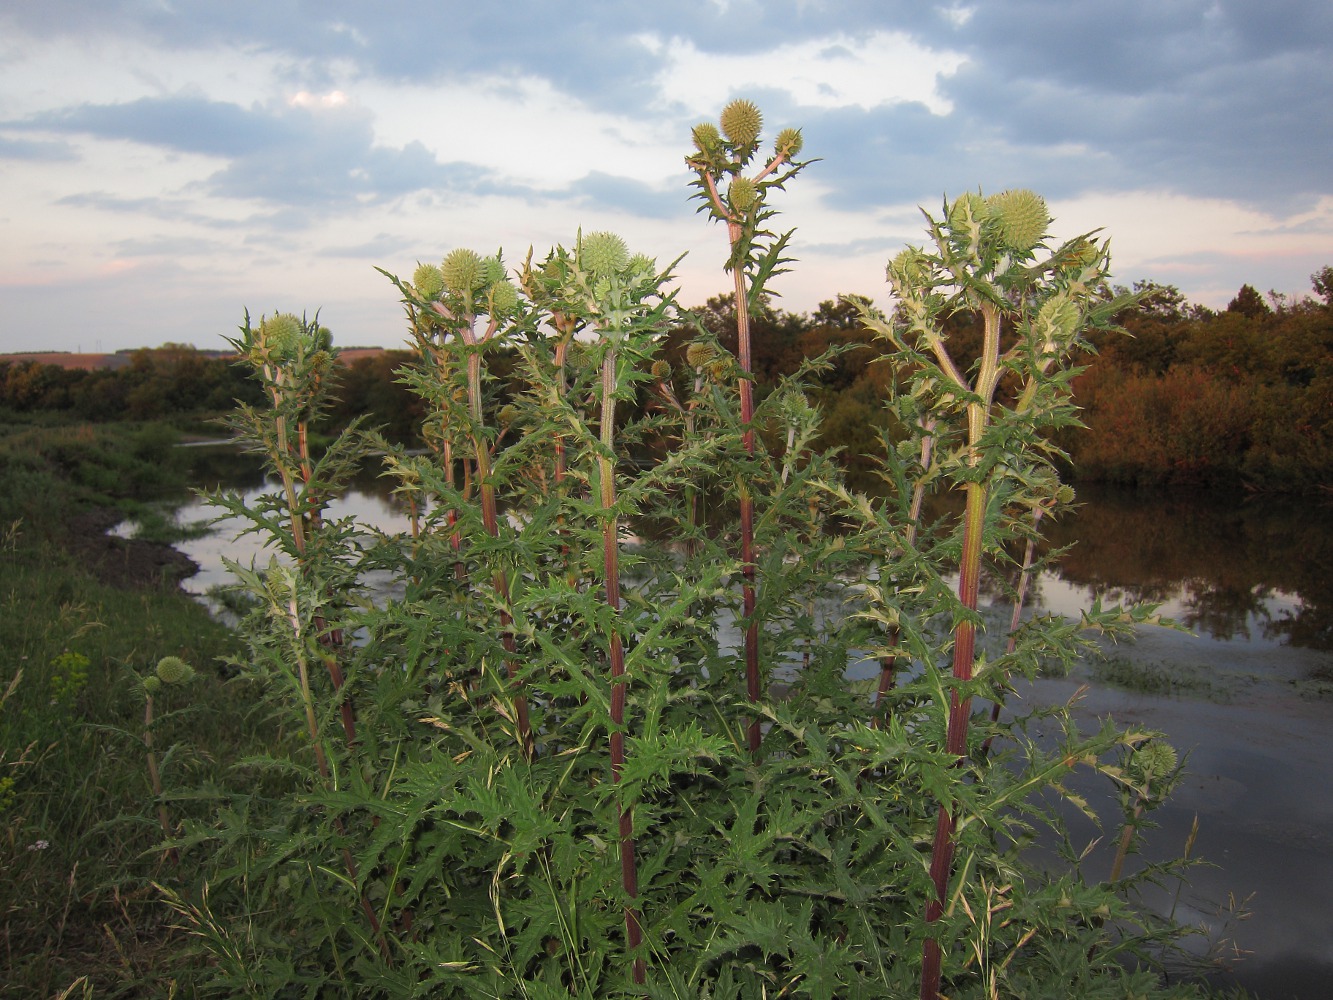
x=548, y=768
x=77, y=811
x=557, y=764
x=1162, y=679
x=1193, y=397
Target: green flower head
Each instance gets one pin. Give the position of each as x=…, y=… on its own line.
x=462, y=271
x=698, y=354
x=1155, y=760
x=706, y=137
x=503, y=299
x=492, y=271
x=281, y=334
x=741, y=121
x=641, y=263
x=174, y=670
x=789, y=143
x=742, y=194
x=152, y=684
x=909, y=269
x=1021, y=216
x=968, y=210
x=661, y=369
x=604, y=253
x=428, y=281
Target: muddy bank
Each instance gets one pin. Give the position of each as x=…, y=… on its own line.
x=127, y=563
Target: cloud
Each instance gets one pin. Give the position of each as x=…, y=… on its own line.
x=625, y=194
x=36, y=151
x=312, y=151
x=827, y=71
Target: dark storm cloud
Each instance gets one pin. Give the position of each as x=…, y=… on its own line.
x=1223, y=99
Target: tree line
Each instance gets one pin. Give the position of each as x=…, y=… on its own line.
x=1241, y=396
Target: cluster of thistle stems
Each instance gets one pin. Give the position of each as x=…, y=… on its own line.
x=972, y=425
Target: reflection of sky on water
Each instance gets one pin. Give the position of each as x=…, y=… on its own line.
x=1189, y=605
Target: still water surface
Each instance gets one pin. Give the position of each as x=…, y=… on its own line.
x=1252, y=582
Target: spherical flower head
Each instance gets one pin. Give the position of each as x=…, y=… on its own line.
x=909, y=269
x=462, y=271
x=741, y=122
x=719, y=369
x=641, y=263
x=174, y=670
x=698, y=354
x=661, y=369
x=281, y=335
x=604, y=253
x=152, y=684
x=491, y=271
x=789, y=143
x=968, y=210
x=503, y=299
x=508, y=415
x=1155, y=760
x=428, y=281
x=742, y=194
x=1057, y=319
x=1021, y=216
x=1084, y=253
x=706, y=137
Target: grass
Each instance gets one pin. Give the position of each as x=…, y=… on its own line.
x=77, y=818
x=1171, y=680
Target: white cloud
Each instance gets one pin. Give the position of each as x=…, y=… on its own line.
x=523, y=128
x=834, y=71
x=305, y=99
x=1207, y=245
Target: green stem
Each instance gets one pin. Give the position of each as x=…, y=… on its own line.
x=964, y=648
x=153, y=776
x=749, y=569
x=611, y=560
x=491, y=521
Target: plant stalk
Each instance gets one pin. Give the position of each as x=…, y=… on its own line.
x=749, y=569
x=615, y=651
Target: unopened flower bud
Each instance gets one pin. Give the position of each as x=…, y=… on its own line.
x=503, y=299
x=789, y=143
x=741, y=122
x=491, y=271
x=462, y=271
x=174, y=670
x=706, y=137
x=428, y=281
x=641, y=263
x=742, y=194
x=661, y=369
x=281, y=334
x=1022, y=218
x=604, y=253
x=699, y=354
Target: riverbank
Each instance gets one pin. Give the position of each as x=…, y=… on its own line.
x=83, y=617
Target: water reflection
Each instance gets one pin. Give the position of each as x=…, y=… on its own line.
x=1256, y=569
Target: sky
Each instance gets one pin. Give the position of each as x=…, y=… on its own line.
x=166, y=165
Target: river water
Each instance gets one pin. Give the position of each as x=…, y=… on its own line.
x=1246, y=690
